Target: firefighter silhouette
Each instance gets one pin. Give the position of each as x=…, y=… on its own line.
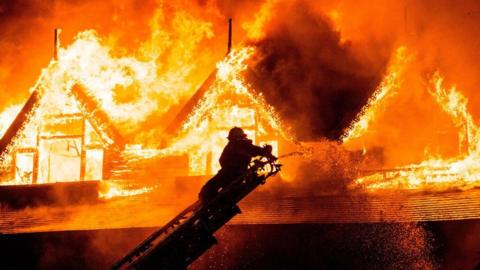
x=234, y=161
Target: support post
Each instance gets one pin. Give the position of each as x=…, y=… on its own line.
x=229, y=48
x=56, y=42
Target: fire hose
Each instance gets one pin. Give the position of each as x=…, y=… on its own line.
x=291, y=154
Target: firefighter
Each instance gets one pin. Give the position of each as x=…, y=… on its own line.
x=234, y=161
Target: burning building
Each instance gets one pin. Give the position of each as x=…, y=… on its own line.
x=449, y=148
x=225, y=100
x=62, y=134
x=59, y=135
x=135, y=113
x=62, y=141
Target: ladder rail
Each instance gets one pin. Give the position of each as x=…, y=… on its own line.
x=144, y=245
x=224, y=203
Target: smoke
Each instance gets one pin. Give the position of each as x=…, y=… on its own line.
x=319, y=61
x=316, y=81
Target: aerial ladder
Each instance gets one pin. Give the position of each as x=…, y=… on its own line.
x=187, y=236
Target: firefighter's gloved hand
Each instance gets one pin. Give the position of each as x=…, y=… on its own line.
x=268, y=152
x=267, y=148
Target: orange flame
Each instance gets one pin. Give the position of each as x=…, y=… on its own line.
x=436, y=173
x=111, y=190
x=388, y=87
x=205, y=129
x=7, y=117
x=128, y=88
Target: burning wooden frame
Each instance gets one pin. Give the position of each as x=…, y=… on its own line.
x=60, y=145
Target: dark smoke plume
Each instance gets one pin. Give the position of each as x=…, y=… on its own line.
x=316, y=82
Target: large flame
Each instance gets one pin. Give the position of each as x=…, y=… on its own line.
x=387, y=88
x=436, y=172
x=7, y=116
x=130, y=87
x=205, y=130
x=127, y=86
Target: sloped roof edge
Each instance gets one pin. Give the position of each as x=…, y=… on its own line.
x=99, y=120
x=19, y=120
x=181, y=117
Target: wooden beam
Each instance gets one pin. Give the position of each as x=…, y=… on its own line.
x=19, y=121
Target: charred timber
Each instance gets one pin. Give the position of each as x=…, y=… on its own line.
x=19, y=121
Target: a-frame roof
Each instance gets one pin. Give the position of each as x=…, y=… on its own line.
x=205, y=93
x=89, y=108
x=19, y=121
x=182, y=116
x=98, y=118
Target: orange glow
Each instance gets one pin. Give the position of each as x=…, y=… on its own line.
x=228, y=102
x=111, y=190
x=434, y=172
x=61, y=135
x=387, y=88
x=255, y=28
x=131, y=86
x=7, y=116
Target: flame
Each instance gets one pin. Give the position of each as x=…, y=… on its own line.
x=111, y=190
x=455, y=105
x=436, y=173
x=206, y=128
x=255, y=29
x=7, y=116
x=127, y=87
x=131, y=87
x=145, y=88
x=387, y=89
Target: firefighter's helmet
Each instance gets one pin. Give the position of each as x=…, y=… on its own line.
x=236, y=133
